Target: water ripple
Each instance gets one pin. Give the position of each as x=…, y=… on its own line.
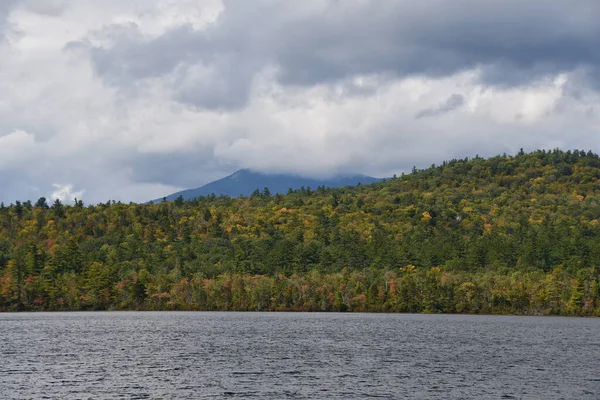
x=296, y=356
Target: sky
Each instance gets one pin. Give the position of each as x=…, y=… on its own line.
x=132, y=100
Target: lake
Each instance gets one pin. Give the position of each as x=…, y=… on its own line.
x=195, y=355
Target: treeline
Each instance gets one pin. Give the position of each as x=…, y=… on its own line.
x=510, y=234
x=405, y=290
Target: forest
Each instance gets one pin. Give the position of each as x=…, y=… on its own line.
x=511, y=234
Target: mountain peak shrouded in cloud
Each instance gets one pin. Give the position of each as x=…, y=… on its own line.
x=244, y=182
x=132, y=100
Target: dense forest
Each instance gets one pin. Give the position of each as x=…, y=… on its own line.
x=509, y=234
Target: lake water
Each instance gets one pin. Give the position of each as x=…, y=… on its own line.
x=297, y=355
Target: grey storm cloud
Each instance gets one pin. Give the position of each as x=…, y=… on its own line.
x=52, y=8
x=180, y=171
x=133, y=100
x=6, y=7
x=452, y=103
x=513, y=42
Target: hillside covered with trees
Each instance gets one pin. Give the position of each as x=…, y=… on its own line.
x=510, y=234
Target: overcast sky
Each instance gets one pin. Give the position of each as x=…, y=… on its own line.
x=132, y=100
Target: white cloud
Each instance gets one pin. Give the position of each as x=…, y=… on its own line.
x=211, y=109
x=15, y=149
x=66, y=193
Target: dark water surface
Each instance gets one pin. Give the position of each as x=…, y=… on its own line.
x=286, y=355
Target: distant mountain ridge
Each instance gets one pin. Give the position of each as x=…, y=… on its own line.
x=245, y=181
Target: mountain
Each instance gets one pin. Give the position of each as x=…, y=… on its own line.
x=504, y=235
x=245, y=181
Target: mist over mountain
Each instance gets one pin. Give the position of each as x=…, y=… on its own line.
x=245, y=181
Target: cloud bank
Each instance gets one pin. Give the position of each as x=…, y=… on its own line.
x=132, y=100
